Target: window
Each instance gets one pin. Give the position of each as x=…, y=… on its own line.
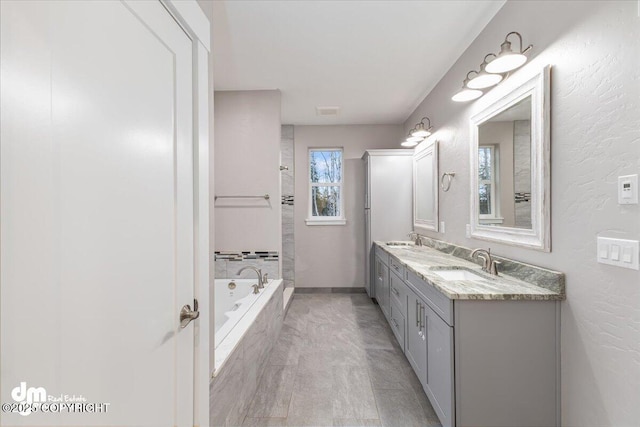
x=487, y=176
x=326, y=203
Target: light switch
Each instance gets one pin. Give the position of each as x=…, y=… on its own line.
x=619, y=252
x=603, y=252
x=615, y=252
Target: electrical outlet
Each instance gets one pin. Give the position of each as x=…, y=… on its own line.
x=442, y=226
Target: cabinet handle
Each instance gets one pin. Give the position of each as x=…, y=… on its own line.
x=395, y=323
x=422, y=312
x=417, y=316
x=395, y=291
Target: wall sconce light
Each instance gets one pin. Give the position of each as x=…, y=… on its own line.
x=507, y=59
x=422, y=131
x=483, y=79
x=419, y=132
x=411, y=140
x=492, y=72
x=465, y=93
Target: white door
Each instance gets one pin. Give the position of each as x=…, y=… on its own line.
x=96, y=204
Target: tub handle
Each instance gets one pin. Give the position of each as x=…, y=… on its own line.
x=187, y=315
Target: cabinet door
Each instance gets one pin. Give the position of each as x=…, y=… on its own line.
x=382, y=286
x=440, y=366
x=415, y=342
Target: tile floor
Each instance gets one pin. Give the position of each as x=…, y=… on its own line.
x=337, y=363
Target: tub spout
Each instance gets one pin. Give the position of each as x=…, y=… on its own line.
x=258, y=272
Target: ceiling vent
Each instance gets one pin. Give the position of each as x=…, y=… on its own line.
x=327, y=111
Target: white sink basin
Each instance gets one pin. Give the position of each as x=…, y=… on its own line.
x=458, y=275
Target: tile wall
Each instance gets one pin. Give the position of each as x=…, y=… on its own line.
x=287, y=183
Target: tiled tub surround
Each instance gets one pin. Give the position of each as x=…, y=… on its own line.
x=516, y=281
x=234, y=299
x=228, y=263
x=242, y=356
x=486, y=352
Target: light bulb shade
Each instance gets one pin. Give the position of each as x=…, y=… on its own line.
x=484, y=80
x=414, y=138
x=466, y=95
x=408, y=144
x=420, y=133
x=506, y=62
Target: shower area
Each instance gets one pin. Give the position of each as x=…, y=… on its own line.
x=287, y=167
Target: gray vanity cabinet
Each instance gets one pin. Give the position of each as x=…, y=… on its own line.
x=481, y=362
x=382, y=285
x=398, y=297
x=440, y=379
x=416, y=341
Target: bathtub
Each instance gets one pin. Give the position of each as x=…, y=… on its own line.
x=236, y=308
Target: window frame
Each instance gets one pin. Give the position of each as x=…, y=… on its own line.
x=325, y=220
x=495, y=216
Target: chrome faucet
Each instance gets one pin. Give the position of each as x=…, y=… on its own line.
x=258, y=272
x=413, y=235
x=489, y=265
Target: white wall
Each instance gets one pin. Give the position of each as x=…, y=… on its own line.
x=246, y=162
x=333, y=256
x=594, y=48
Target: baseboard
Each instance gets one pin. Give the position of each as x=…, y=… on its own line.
x=299, y=290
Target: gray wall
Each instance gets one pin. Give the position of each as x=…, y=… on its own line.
x=246, y=162
x=594, y=49
x=333, y=255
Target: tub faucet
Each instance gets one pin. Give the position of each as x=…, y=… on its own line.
x=489, y=265
x=258, y=272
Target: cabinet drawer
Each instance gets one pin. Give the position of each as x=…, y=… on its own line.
x=382, y=254
x=442, y=305
x=397, y=322
x=398, y=291
x=395, y=265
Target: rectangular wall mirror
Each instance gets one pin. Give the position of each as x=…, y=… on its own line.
x=510, y=167
x=425, y=187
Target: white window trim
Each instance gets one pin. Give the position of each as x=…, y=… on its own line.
x=494, y=217
x=325, y=220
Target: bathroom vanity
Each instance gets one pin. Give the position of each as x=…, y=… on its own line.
x=485, y=348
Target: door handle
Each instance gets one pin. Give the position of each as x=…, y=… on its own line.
x=187, y=315
x=417, y=315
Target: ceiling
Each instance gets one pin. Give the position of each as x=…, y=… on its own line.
x=376, y=60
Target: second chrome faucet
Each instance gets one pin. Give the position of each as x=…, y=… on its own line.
x=489, y=265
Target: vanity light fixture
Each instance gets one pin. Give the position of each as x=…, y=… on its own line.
x=493, y=72
x=465, y=93
x=411, y=140
x=422, y=131
x=508, y=60
x=483, y=79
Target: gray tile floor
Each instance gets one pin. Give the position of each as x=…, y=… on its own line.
x=337, y=363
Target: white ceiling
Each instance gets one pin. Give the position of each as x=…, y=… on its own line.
x=376, y=60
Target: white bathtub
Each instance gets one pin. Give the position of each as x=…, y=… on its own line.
x=235, y=311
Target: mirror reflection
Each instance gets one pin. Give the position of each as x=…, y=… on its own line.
x=424, y=187
x=504, y=168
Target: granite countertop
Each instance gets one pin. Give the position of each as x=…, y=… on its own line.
x=424, y=261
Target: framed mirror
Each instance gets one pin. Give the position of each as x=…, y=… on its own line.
x=510, y=167
x=425, y=186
